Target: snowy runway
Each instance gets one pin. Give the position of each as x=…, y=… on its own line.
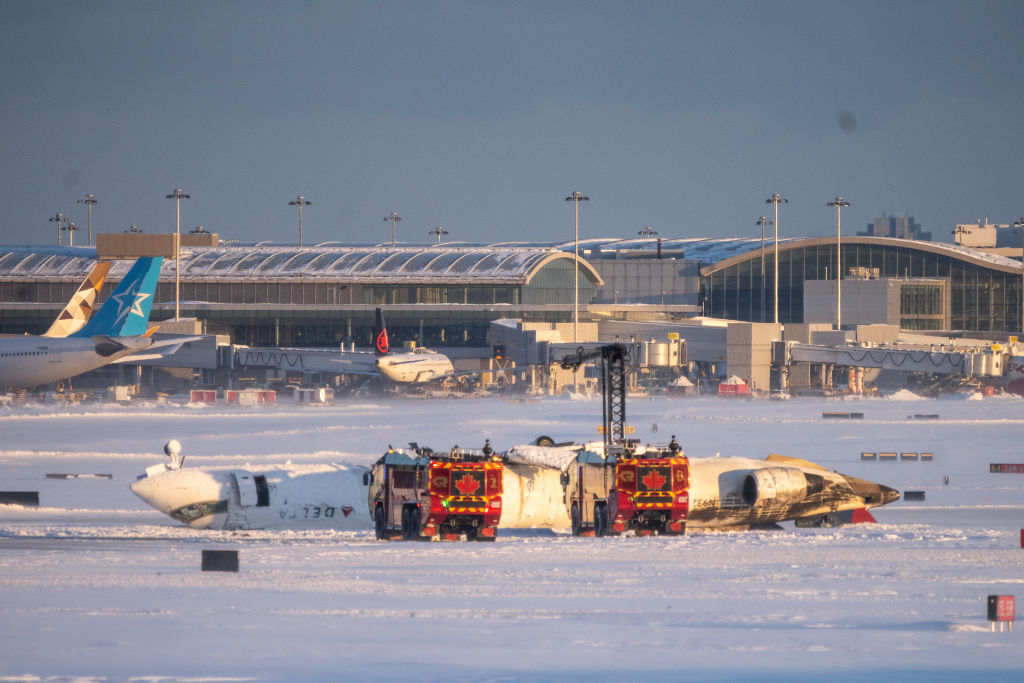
x=94, y=584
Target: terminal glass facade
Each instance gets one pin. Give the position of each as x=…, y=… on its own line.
x=981, y=298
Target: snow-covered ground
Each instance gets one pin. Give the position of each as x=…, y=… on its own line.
x=94, y=585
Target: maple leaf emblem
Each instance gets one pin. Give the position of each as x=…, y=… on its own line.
x=467, y=486
x=653, y=480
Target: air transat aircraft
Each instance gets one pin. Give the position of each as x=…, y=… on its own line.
x=118, y=329
x=725, y=493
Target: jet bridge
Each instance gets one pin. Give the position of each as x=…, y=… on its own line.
x=987, y=363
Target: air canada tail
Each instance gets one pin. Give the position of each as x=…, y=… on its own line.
x=126, y=310
x=81, y=306
x=381, y=343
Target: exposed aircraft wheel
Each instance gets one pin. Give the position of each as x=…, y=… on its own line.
x=574, y=519
x=600, y=520
x=378, y=523
x=544, y=441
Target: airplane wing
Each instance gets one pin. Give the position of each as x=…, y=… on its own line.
x=168, y=346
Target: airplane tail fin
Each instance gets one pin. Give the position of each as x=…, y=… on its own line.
x=126, y=310
x=80, y=308
x=381, y=342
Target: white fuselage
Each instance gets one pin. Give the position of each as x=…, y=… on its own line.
x=28, y=361
x=334, y=497
x=418, y=365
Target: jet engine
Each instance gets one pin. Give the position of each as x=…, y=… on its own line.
x=774, y=486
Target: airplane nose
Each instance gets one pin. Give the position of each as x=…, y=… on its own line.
x=153, y=492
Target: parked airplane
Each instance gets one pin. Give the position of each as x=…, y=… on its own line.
x=416, y=366
x=725, y=493
x=117, y=330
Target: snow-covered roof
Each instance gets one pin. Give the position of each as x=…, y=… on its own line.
x=507, y=264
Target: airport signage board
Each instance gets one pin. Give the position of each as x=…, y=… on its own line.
x=1006, y=468
x=1001, y=608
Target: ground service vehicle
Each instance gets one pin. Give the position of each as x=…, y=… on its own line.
x=422, y=494
x=627, y=486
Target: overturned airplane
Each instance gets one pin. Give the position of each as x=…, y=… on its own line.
x=724, y=493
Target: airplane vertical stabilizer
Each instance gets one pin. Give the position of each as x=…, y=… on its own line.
x=381, y=342
x=126, y=311
x=80, y=308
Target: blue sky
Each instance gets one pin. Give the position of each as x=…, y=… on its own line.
x=483, y=116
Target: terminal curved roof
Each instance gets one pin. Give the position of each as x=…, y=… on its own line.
x=503, y=264
x=956, y=251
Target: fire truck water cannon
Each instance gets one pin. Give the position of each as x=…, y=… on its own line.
x=627, y=487
x=422, y=494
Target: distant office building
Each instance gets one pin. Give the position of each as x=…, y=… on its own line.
x=900, y=227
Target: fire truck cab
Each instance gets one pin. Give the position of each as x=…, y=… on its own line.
x=420, y=494
x=642, y=489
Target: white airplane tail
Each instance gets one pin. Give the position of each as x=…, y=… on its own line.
x=82, y=304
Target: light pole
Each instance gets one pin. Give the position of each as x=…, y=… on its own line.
x=763, y=221
x=59, y=220
x=177, y=195
x=89, y=200
x=839, y=203
x=394, y=218
x=72, y=229
x=776, y=200
x=576, y=197
x=1020, y=226
x=300, y=201
x=439, y=230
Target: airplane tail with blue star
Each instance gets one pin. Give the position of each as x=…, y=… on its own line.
x=126, y=310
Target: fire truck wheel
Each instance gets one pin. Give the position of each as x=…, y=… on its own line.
x=486, y=539
x=574, y=519
x=378, y=523
x=410, y=524
x=600, y=520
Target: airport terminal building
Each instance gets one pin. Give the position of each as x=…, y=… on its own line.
x=448, y=294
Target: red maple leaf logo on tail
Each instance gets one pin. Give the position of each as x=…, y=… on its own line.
x=653, y=480
x=467, y=486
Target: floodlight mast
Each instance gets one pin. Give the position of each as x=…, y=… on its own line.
x=1019, y=224
x=300, y=201
x=576, y=197
x=763, y=221
x=840, y=204
x=439, y=230
x=177, y=196
x=89, y=200
x=59, y=220
x=72, y=229
x=394, y=218
x=776, y=200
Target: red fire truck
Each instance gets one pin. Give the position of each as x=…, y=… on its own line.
x=625, y=486
x=420, y=494
x=646, y=492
